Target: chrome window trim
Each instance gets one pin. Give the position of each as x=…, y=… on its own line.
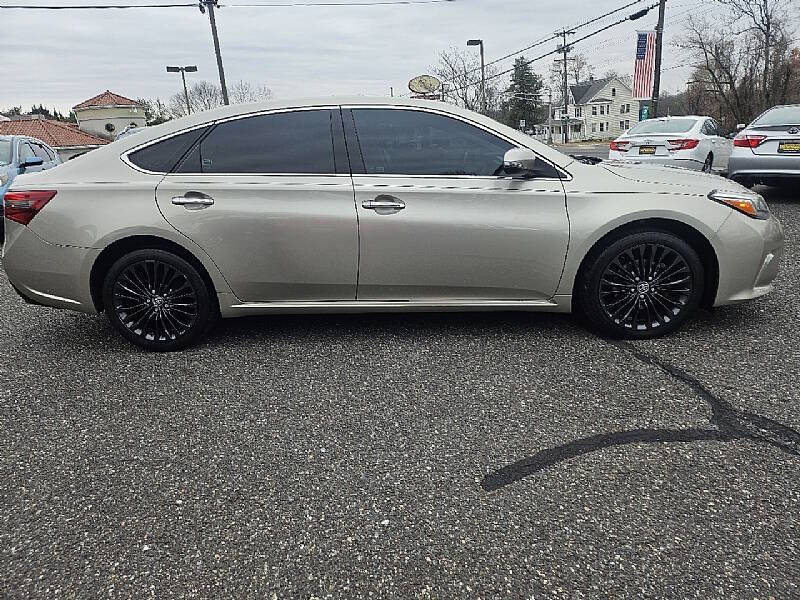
x=125, y=155
x=445, y=113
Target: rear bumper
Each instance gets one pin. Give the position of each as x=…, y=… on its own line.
x=744, y=165
x=48, y=274
x=749, y=257
x=667, y=161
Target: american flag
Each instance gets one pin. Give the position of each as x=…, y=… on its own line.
x=645, y=63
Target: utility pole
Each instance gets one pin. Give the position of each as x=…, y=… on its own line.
x=565, y=50
x=550, y=116
x=210, y=5
x=659, y=41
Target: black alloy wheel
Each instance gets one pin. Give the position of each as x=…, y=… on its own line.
x=157, y=300
x=644, y=285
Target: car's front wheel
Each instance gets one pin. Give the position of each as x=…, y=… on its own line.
x=643, y=285
x=158, y=300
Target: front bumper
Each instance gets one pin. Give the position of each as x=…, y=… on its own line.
x=750, y=252
x=45, y=273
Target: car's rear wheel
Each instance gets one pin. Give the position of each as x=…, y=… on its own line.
x=708, y=164
x=158, y=300
x=643, y=285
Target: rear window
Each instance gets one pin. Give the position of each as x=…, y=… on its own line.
x=781, y=115
x=663, y=126
x=162, y=156
x=5, y=152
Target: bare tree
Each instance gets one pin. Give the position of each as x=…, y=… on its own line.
x=767, y=19
x=242, y=92
x=748, y=70
x=460, y=70
x=579, y=70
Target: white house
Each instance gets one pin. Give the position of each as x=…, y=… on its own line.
x=599, y=109
x=108, y=114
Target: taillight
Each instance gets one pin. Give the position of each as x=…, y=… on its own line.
x=23, y=206
x=619, y=146
x=686, y=144
x=748, y=141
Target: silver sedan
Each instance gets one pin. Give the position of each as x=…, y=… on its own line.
x=358, y=205
x=768, y=150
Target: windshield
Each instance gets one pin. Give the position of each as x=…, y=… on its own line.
x=782, y=115
x=663, y=126
x=5, y=152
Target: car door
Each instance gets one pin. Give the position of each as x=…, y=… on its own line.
x=271, y=201
x=437, y=218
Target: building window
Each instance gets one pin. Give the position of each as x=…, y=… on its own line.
x=627, y=124
x=607, y=127
x=622, y=124
x=602, y=110
x=578, y=111
x=594, y=127
x=601, y=128
x=594, y=110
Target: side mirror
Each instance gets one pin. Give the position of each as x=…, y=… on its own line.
x=520, y=163
x=31, y=161
x=740, y=126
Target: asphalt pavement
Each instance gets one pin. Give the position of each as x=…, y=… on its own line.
x=405, y=456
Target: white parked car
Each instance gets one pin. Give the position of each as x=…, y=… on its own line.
x=691, y=142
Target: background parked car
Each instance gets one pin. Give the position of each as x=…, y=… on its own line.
x=129, y=130
x=691, y=142
x=768, y=150
x=22, y=154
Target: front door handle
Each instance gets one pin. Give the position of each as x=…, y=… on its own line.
x=384, y=202
x=193, y=200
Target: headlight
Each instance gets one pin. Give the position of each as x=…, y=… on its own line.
x=749, y=203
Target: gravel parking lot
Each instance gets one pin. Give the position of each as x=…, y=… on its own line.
x=431, y=456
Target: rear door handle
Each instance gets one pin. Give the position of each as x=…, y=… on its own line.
x=193, y=200
x=384, y=202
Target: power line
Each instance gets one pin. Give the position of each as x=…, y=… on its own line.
x=194, y=5
x=95, y=6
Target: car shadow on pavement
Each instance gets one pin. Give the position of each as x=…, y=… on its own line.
x=731, y=424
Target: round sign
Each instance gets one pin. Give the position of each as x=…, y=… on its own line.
x=424, y=84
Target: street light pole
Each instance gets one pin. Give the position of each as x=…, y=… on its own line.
x=183, y=71
x=210, y=5
x=483, y=73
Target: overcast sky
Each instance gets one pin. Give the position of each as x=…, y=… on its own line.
x=60, y=58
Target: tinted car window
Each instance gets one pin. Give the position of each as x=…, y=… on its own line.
x=412, y=142
x=780, y=115
x=162, y=156
x=663, y=126
x=290, y=142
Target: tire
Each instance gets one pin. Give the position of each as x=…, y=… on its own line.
x=616, y=288
x=177, y=315
x=708, y=165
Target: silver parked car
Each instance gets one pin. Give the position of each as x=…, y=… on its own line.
x=768, y=150
x=363, y=205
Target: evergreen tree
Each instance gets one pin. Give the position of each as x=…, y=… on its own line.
x=524, y=101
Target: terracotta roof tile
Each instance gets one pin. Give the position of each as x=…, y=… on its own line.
x=107, y=98
x=53, y=133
